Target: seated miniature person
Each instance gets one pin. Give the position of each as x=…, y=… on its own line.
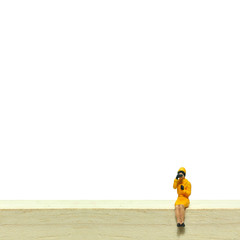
x=184, y=191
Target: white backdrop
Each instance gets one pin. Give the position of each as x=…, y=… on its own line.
x=108, y=99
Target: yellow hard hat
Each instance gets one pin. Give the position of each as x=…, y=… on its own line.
x=182, y=169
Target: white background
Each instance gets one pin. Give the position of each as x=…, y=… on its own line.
x=108, y=99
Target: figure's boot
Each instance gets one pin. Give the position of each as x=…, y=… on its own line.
x=183, y=225
x=178, y=225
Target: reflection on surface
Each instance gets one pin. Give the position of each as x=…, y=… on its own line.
x=180, y=231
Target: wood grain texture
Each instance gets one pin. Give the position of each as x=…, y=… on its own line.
x=62, y=221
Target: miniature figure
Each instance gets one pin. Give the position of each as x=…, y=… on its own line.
x=184, y=191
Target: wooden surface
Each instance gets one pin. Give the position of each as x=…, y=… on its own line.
x=115, y=220
x=119, y=204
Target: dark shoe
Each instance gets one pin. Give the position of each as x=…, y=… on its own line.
x=182, y=225
x=178, y=225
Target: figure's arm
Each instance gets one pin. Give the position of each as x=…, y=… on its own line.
x=187, y=190
x=175, y=183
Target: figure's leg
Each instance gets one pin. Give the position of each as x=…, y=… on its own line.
x=182, y=213
x=177, y=213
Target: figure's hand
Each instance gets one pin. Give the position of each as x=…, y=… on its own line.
x=182, y=187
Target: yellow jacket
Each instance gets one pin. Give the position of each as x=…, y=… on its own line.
x=187, y=187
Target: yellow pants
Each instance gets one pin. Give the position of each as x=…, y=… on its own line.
x=182, y=200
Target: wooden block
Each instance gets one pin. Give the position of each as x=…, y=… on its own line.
x=115, y=220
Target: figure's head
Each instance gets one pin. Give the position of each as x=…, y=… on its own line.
x=182, y=172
